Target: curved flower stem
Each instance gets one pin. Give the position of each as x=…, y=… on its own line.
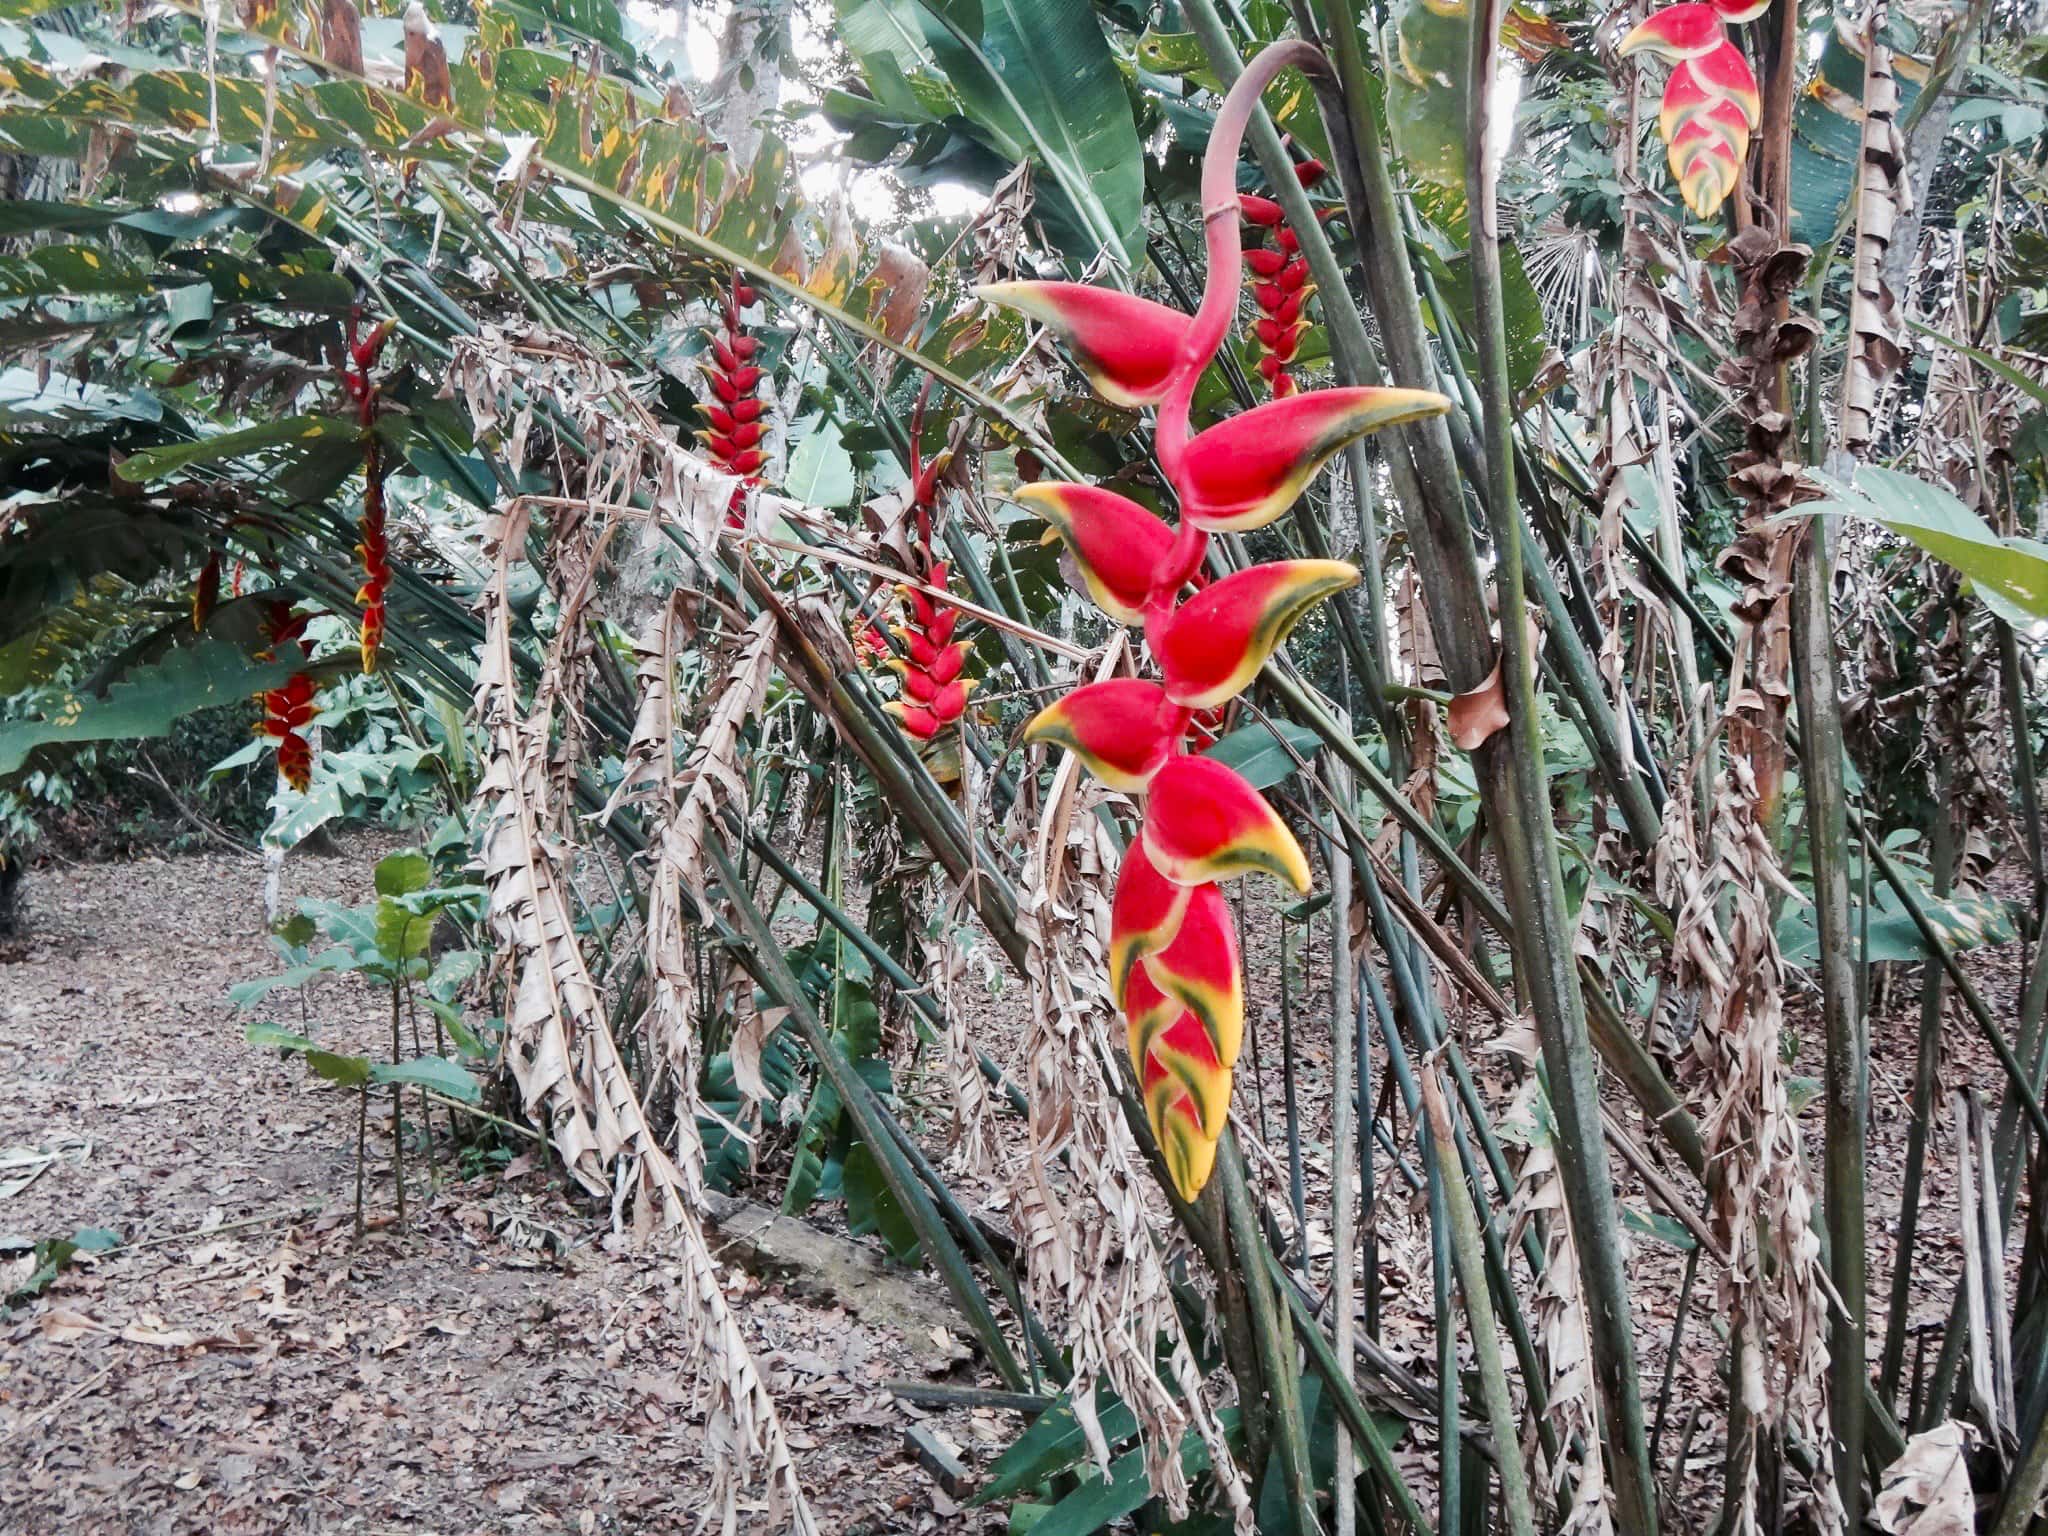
x=1225, y=250
x=1224, y=241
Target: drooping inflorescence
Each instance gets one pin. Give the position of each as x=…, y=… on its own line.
x=1711, y=104
x=1174, y=967
x=375, y=548
x=733, y=427
x=288, y=710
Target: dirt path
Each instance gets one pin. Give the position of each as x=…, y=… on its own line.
x=239, y=1364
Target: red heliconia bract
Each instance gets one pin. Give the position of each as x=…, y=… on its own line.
x=1174, y=967
x=733, y=426
x=934, y=692
x=1212, y=645
x=1250, y=468
x=374, y=549
x=1683, y=31
x=1118, y=546
x=1280, y=285
x=1123, y=730
x=1710, y=102
x=1125, y=345
x=287, y=710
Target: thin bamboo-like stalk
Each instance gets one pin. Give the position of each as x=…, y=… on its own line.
x=1847, y=1056
x=754, y=932
x=1297, y=1179
x=1527, y=842
x=1343, y=1151
x=1285, y=1424
x=1471, y=1265
x=1926, y=1065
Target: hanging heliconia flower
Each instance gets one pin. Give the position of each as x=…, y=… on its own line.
x=375, y=549
x=1174, y=967
x=934, y=659
x=733, y=426
x=1280, y=285
x=288, y=710
x=1711, y=104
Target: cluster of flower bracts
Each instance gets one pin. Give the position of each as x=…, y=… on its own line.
x=288, y=710
x=1280, y=285
x=732, y=434
x=375, y=548
x=933, y=662
x=1711, y=104
x=1174, y=965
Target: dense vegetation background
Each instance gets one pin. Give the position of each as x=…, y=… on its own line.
x=572, y=436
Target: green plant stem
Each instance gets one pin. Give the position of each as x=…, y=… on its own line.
x=1526, y=838
x=1927, y=1064
x=397, y=1112
x=1471, y=1265
x=881, y=959
x=2019, y=1512
x=1847, y=1060
x=1421, y=464
x=1351, y=1411
x=2012, y=693
x=1343, y=1149
x=1276, y=1353
x=362, y=1150
x=1692, y=1273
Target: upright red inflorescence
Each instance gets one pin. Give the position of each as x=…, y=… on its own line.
x=375, y=548
x=1174, y=967
x=934, y=658
x=733, y=430
x=1711, y=103
x=1280, y=285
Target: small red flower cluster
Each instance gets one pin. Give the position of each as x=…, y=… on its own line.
x=375, y=548
x=934, y=691
x=287, y=711
x=1280, y=285
x=733, y=436
x=1711, y=103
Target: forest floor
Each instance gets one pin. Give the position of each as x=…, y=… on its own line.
x=240, y=1363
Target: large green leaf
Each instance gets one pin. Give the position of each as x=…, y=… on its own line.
x=293, y=431
x=1038, y=81
x=1053, y=1443
x=607, y=143
x=1965, y=922
x=1264, y=752
x=2011, y=575
x=435, y=1073
x=1827, y=125
x=1429, y=44
x=1099, y=1501
x=148, y=702
x=872, y=1207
